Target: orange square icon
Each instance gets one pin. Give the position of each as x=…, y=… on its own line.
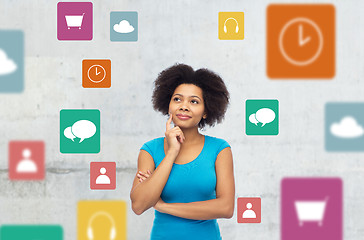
x=301, y=41
x=96, y=73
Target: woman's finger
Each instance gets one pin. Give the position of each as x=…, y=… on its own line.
x=179, y=135
x=168, y=124
x=143, y=174
x=177, y=129
x=142, y=178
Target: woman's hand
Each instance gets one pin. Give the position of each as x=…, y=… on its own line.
x=174, y=137
x=144, y=175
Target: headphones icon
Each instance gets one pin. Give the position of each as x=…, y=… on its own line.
x=237, y=25
x=90, y=233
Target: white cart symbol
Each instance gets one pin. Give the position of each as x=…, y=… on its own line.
x=74, y=20
x=311, y=211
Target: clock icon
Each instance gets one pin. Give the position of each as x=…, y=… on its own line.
x=96, y=73
x=300, y=41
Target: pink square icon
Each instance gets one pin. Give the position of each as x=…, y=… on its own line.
x=26, y=160
x=74, y=21
x=102, y=175
x=311, y=208
x=249, y=210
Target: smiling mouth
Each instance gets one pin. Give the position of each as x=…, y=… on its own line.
x=183, y=117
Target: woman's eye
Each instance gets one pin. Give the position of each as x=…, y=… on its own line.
x=176, y=99
x=194, y=101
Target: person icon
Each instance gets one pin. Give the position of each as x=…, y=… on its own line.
x=26, y=165
x=249, y=213
x=103, y=178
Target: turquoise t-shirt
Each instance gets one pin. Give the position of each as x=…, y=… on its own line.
x=191, y=182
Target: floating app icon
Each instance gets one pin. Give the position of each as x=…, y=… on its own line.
x=261, y=117
x=249, y=210
x=7, y=66
x=101, y=220
x=33, y=232
x=311, y=208
x=344, y=127
x=231, y=25
x=80, y=131
x=96, y=73
x=124, y=26
x=11, y=61
x=103, y=175
x=301, y=41
x=26, y=160
x=74, y=21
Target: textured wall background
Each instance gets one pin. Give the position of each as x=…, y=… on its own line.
x=170, y=32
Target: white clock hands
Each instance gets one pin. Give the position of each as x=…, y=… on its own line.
x=302, y=41
x=97, y=73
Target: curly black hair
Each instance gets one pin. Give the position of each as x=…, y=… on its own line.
x=215, y=94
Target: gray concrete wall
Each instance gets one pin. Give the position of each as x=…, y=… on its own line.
x=170, y=32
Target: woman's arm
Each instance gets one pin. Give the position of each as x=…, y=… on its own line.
x=146, y=194
x=221, y=207
x=204, y=210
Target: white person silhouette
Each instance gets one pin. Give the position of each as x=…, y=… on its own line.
x=249, y=213
x=102, y=178
x=26, y=165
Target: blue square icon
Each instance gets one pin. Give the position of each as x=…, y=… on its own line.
x=344, y=127
x=124, y=26
x=11, y=61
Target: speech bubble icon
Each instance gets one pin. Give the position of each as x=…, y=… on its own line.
x=68, y=134
x=252, y=119
x=265, y=115
x=83, y=129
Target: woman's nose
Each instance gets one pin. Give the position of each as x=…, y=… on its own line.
x=183, y=106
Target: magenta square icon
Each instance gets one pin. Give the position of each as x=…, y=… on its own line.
x=311, y=208
x=74, y=21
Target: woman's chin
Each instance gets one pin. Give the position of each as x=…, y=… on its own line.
x=185, y=126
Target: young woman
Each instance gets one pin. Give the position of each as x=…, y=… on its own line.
x=186, y=176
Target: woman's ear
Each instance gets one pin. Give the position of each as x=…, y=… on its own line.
x=204, y=116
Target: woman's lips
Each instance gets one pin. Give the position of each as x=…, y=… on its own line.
x=183, y=117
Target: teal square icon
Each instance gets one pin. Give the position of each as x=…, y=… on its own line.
x=124, y=26
x=36, y=232
x=80, y=131
x=344, y=127
x=11, y=61
x=261, y=117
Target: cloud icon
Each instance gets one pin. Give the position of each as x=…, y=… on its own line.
x=347, y=128
x=123, y=27
x=7, y=66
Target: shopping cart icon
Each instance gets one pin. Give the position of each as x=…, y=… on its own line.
x=311, y=211
x=74, y=20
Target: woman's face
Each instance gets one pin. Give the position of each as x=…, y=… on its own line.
x=187, y=106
